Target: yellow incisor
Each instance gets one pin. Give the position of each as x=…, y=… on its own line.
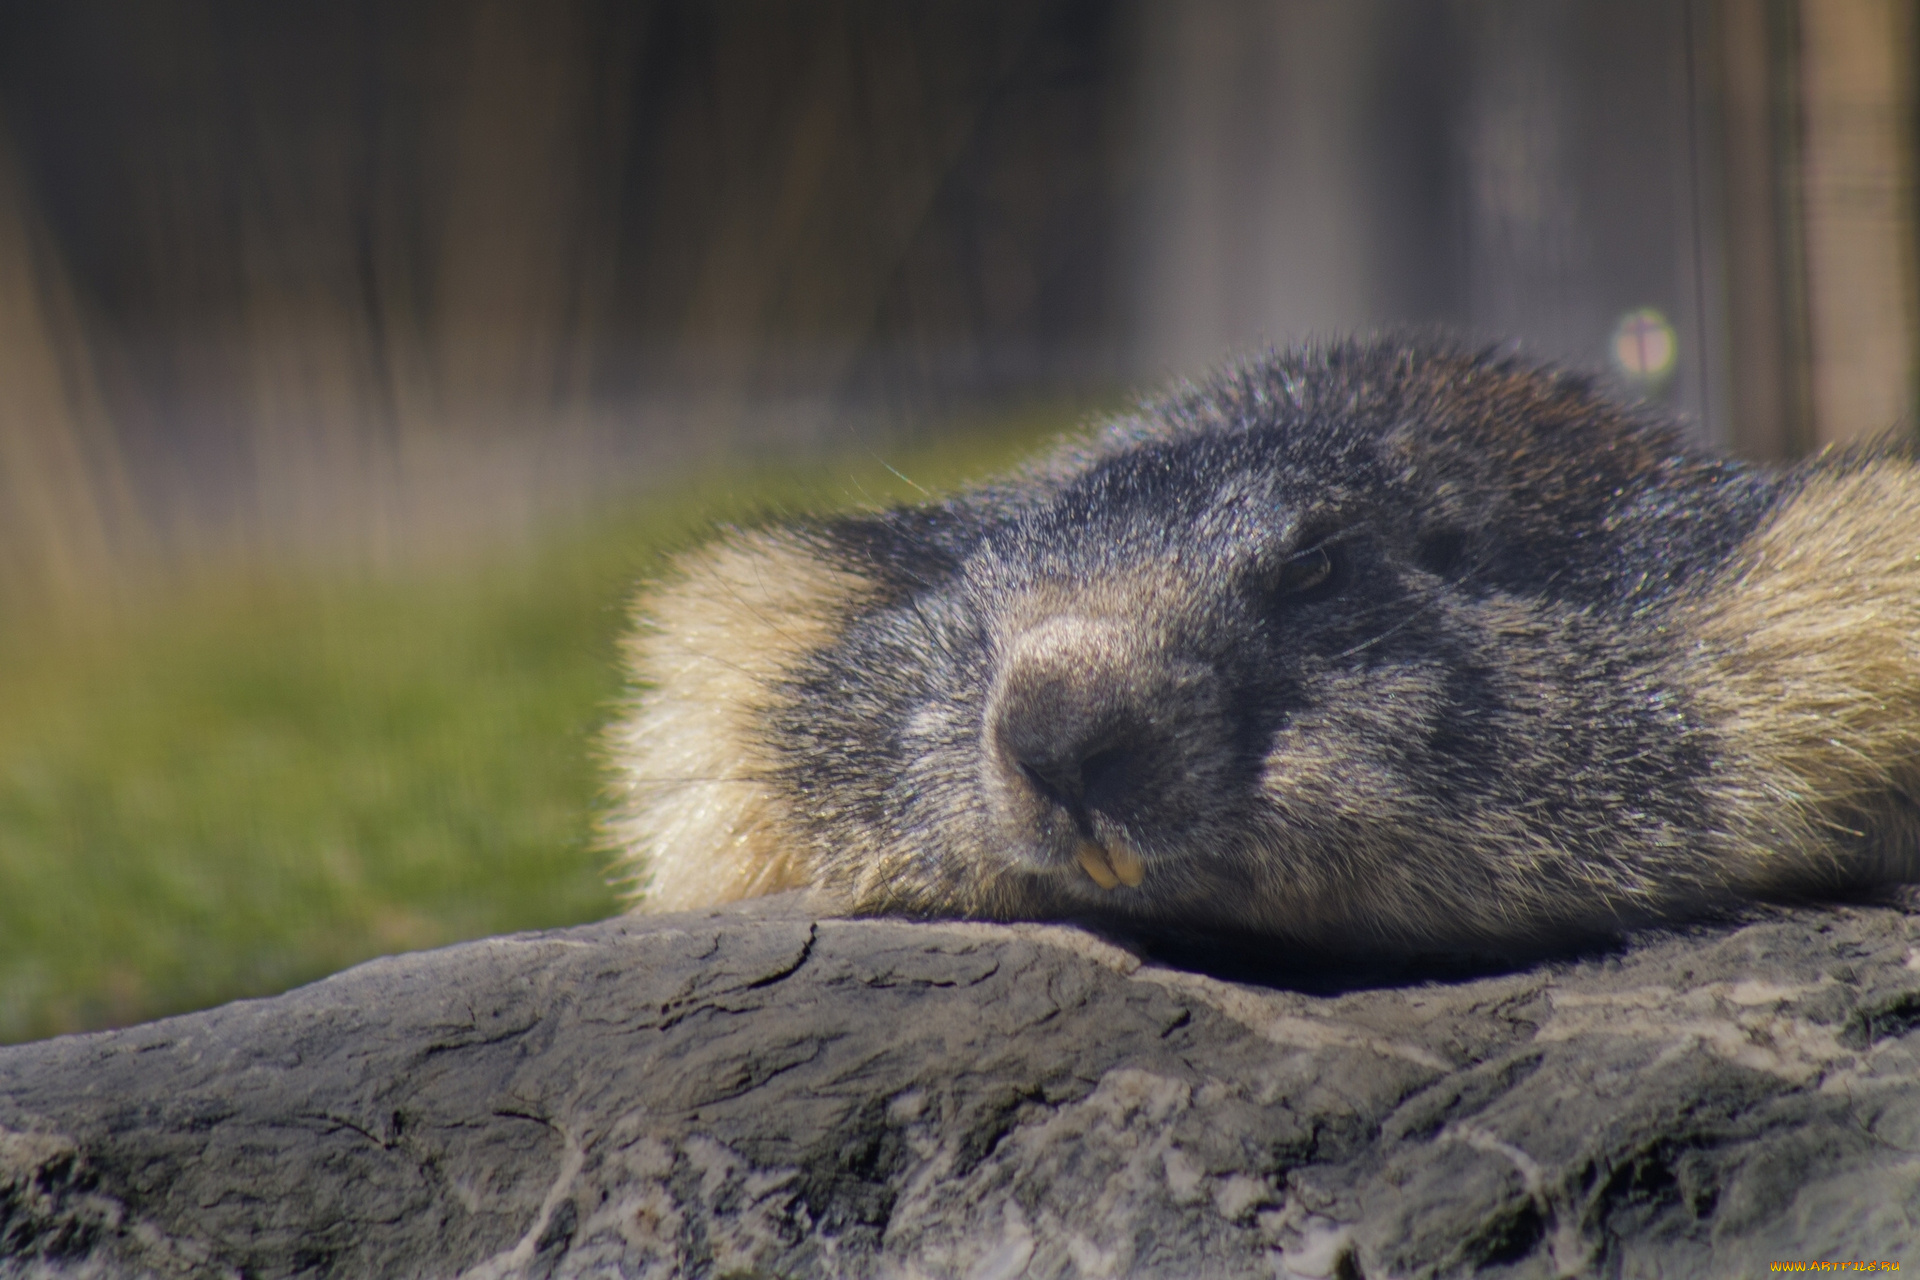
x=1111, y=865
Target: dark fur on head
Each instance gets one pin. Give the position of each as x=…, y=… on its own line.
x=1371, y=644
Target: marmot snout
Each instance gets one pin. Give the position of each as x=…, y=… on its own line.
x=1094, y=733
x=1370, y=644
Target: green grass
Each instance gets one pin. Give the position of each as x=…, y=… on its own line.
x=259, y=780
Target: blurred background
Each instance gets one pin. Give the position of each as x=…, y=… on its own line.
x=356, y=357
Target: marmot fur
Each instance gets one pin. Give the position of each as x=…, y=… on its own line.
x=1374, y=644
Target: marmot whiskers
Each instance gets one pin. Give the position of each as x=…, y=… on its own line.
x=1374, y=644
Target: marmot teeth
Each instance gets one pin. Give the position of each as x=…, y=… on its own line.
x=1372, y=644
x=1110, y=865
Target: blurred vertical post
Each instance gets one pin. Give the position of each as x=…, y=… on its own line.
x=420, y=225
x=1749, y=53
x=1856, y=85
x=58, y=471
x=524, y=212
x=1261, y=220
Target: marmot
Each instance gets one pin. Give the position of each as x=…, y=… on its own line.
x=1374, y=644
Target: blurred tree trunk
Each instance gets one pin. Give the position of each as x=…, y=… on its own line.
x=1856, y=80
x=1816, y=168
x=476, y=222
x=1267, y=219
x=1750, y=48
x=843, y=129
x=523, y=207
x=62, y=496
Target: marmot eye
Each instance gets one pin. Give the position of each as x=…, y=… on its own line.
x=1303, y=572
x=1440, y=551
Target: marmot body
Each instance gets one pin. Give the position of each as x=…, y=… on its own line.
x=1369, y=645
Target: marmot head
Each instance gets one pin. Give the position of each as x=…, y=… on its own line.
x=1356, y=646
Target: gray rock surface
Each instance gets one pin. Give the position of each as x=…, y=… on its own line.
x=754, y=1092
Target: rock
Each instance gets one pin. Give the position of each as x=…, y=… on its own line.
x=755, y=1092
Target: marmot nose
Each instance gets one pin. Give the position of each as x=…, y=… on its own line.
x=1064, y=715
x=1073, y=771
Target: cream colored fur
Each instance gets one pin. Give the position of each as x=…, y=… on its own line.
x=697, y=820
x=1807, y=663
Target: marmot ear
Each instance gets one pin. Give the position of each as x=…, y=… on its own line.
x=1440, y=550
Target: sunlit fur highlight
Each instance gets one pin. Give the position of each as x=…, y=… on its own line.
x=696, y=816
x=1808, y=661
